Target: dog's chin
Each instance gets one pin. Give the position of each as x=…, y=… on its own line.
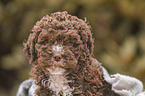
x=56, y=70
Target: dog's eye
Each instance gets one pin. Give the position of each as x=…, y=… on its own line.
x=47, y=42
x=76, y=45
x=65, y=57
x=63, y=37
x=70, y=43
x=58, y=39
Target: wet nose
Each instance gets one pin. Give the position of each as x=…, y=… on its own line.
x=57, y=57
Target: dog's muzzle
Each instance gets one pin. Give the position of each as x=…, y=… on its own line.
x=58, y=49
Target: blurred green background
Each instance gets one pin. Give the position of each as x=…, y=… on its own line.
x=118, y=27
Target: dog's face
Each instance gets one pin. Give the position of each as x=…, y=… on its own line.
x=59, y=48
x=59, y=40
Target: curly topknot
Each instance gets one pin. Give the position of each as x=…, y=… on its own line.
x=58, y=21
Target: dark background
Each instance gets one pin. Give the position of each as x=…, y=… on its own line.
x=118, y=27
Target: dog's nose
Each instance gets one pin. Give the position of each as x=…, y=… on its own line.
x=57, y=57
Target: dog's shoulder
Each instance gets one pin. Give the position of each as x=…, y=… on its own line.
x=94, y=61
x=94, y=64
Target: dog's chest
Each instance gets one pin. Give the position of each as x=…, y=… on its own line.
x=58, y=83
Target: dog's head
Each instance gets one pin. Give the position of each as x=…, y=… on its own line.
x=59, y=40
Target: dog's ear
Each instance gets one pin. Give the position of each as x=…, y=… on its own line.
x=29, y=47
x=90, y=43
x=86, y=37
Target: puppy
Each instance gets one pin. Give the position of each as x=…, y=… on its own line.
x=60, y=49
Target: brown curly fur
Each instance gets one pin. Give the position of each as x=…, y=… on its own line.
x=76, y=38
